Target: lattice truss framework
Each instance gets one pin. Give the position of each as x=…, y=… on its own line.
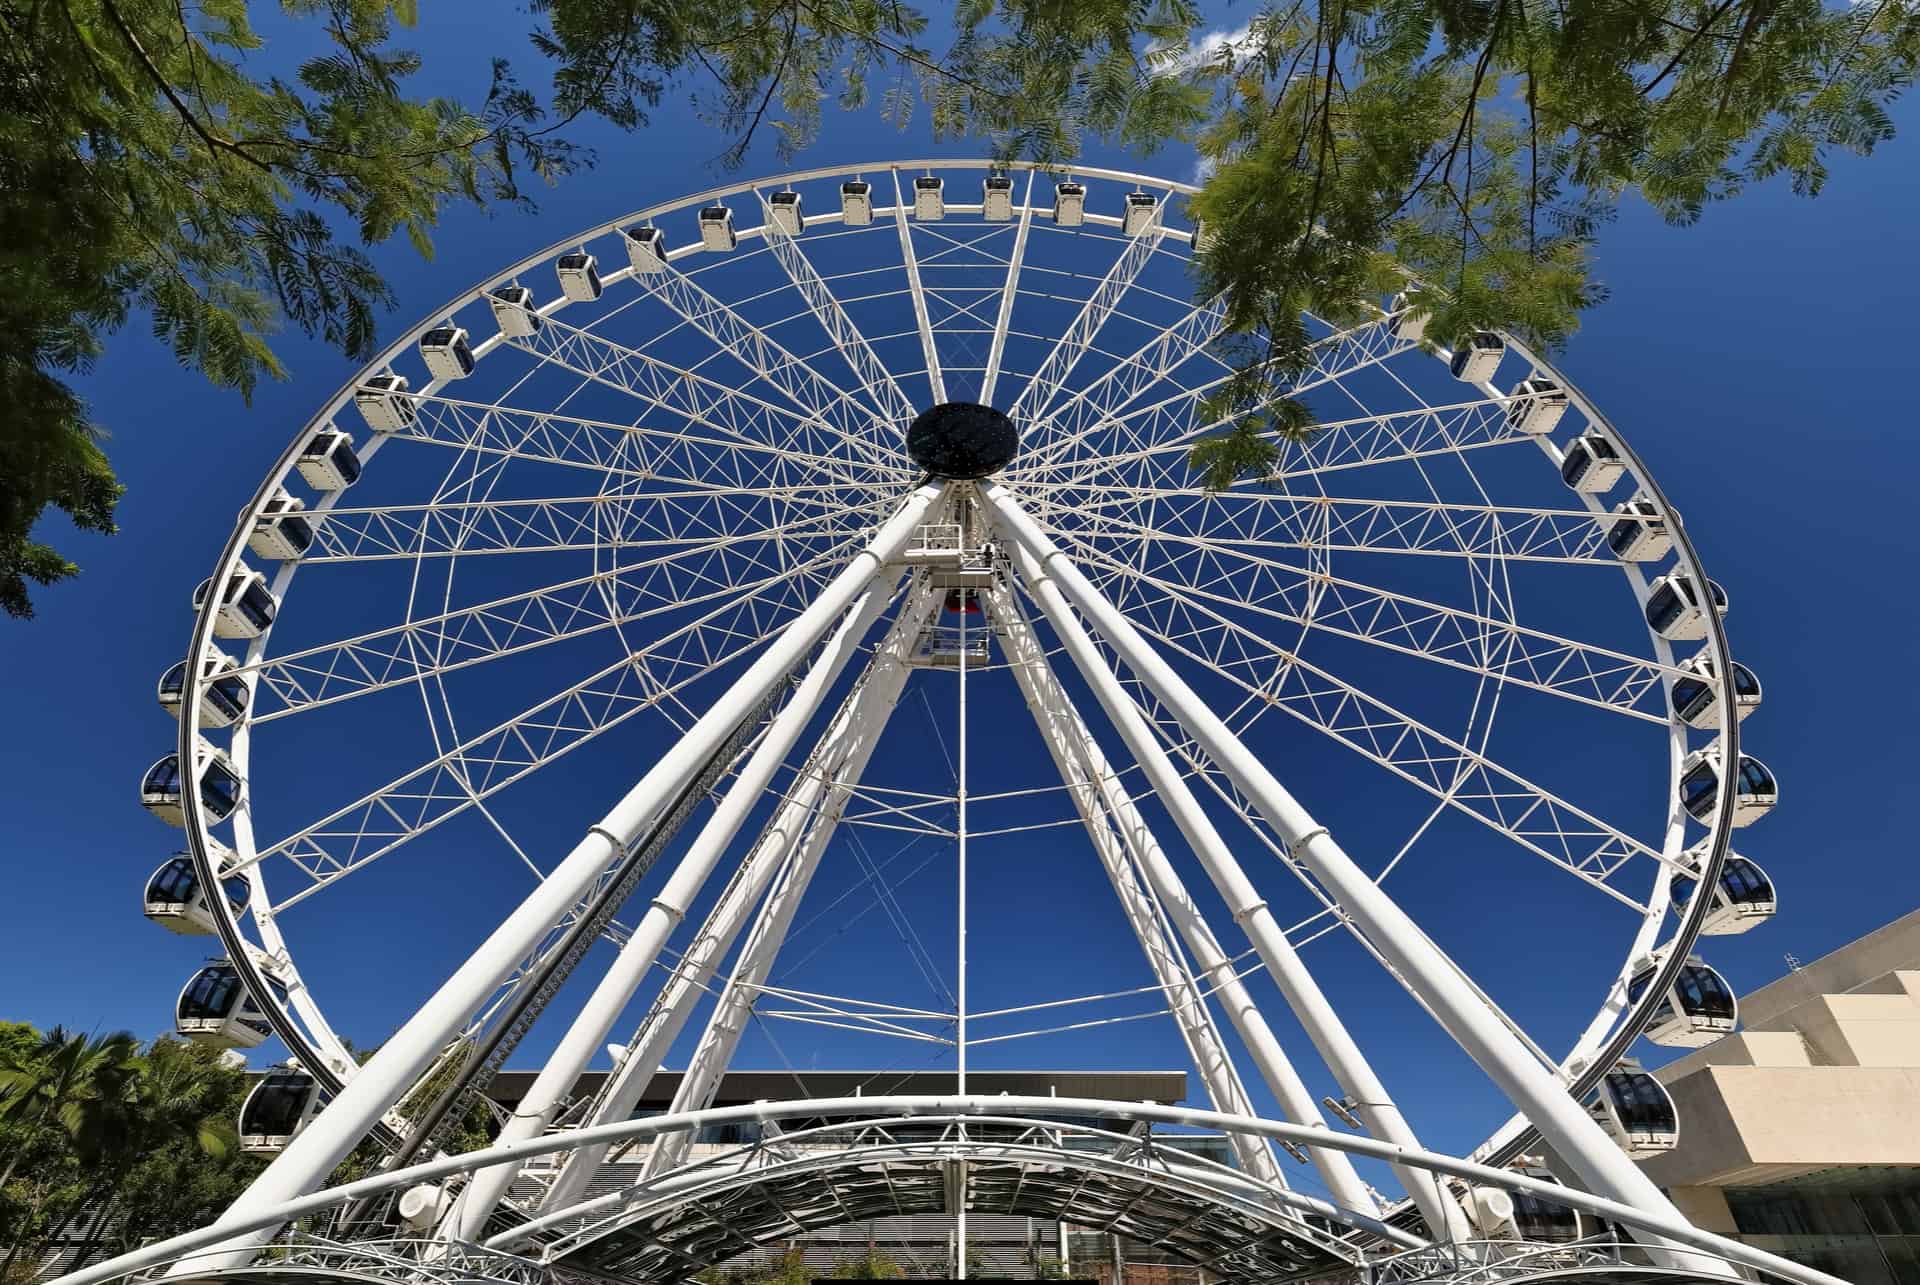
x=624, y=504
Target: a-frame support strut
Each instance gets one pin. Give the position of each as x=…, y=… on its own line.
x=791, y=841
x=1600, y=1165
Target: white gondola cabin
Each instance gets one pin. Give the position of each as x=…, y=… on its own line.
x=1755, y=790
x=223, y=693
x=1635, y=1111
x=1538, y=406
x=646, y=249
x=277, y=1108
x=716, y=228
x=1499, y=1214
x=383, y=401
x=856, y=203
x=1742, y=897
x=446, y=352
x=1474, y=361
x=1639, y=532
x=1696, y=700
x=1695, y=1010
x=281, y=530
x=996, y=198
x=220, y=787
x=246, y=608
x=784, y=212
x=929, y=198
x=1069, y=204
x=215, y=1008
x=1405, y=320
x=1592, y=464
x=177, y=901
x=328, y=462
x=1136, y=216
x=579, y=276
x=514, y=313
x=1673, y=610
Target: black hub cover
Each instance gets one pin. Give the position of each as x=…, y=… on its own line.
x=963, y=440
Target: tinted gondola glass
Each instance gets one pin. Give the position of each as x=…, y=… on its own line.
x=277, y=1104
x=1548, y=1222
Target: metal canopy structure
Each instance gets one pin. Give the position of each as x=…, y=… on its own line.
x=661, y=515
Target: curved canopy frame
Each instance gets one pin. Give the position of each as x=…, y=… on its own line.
x=1718, y=1249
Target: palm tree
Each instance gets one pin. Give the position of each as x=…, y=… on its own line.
x=69, y=1081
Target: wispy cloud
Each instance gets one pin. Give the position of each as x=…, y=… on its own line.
x=1199, y=53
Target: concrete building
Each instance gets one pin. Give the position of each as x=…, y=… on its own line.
x=1800, y=1134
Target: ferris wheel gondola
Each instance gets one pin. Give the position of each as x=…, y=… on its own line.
x=1673, y=610
x=1742, y=897
x=513, y=312
x=385, y=404
x=1639, y=534
x=1696, y=698
x=330, y=463
x=215, y=1008
x=1635, y=1110
x=281, y=530
x=223, y=693
x=1697, y=1008
x=1538, y=406
x=278, y=1106
x=246, y=607
x=1755, y=793
x=177, y=901
x=220, y=786
x=579, y=276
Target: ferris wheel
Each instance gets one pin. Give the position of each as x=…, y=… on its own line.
x=716, y=496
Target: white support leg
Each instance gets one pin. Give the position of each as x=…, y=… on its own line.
x=728, y=1021
x=1336, y=1045
x=823, y=786
x=1601, y=1166
x=391, y=1073
x=615, y=990
x=1123, y=843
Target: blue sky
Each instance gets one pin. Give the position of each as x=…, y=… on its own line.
x=1757, y=362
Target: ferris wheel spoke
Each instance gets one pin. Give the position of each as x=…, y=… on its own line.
x=1169, y=424
x=452, y=528
x=699, y=399
x=1045, y=383
x=1528, y=814
x=402, y=654
x=1260, y=521
x=922, y=319
x=889, y=399
x=684, y=456
x=1230, y=579
x=374, y=825
x=997, y=347
x=796, y=380
x=1106, y=397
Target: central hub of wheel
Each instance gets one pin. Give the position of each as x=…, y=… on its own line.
x=962, y=440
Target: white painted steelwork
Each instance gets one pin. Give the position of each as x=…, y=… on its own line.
x=750, y=446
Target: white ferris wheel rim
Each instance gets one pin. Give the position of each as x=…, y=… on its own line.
x=302, y=1024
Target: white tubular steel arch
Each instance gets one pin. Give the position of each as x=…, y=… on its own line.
x=668, y=516
x=1715, y=1249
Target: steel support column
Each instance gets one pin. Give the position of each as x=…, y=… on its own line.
x=1124, y=844
x=1531, y=1085
x=1329, y=1034
x=392, y=1072
x=630, y=967
x=819, y=792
